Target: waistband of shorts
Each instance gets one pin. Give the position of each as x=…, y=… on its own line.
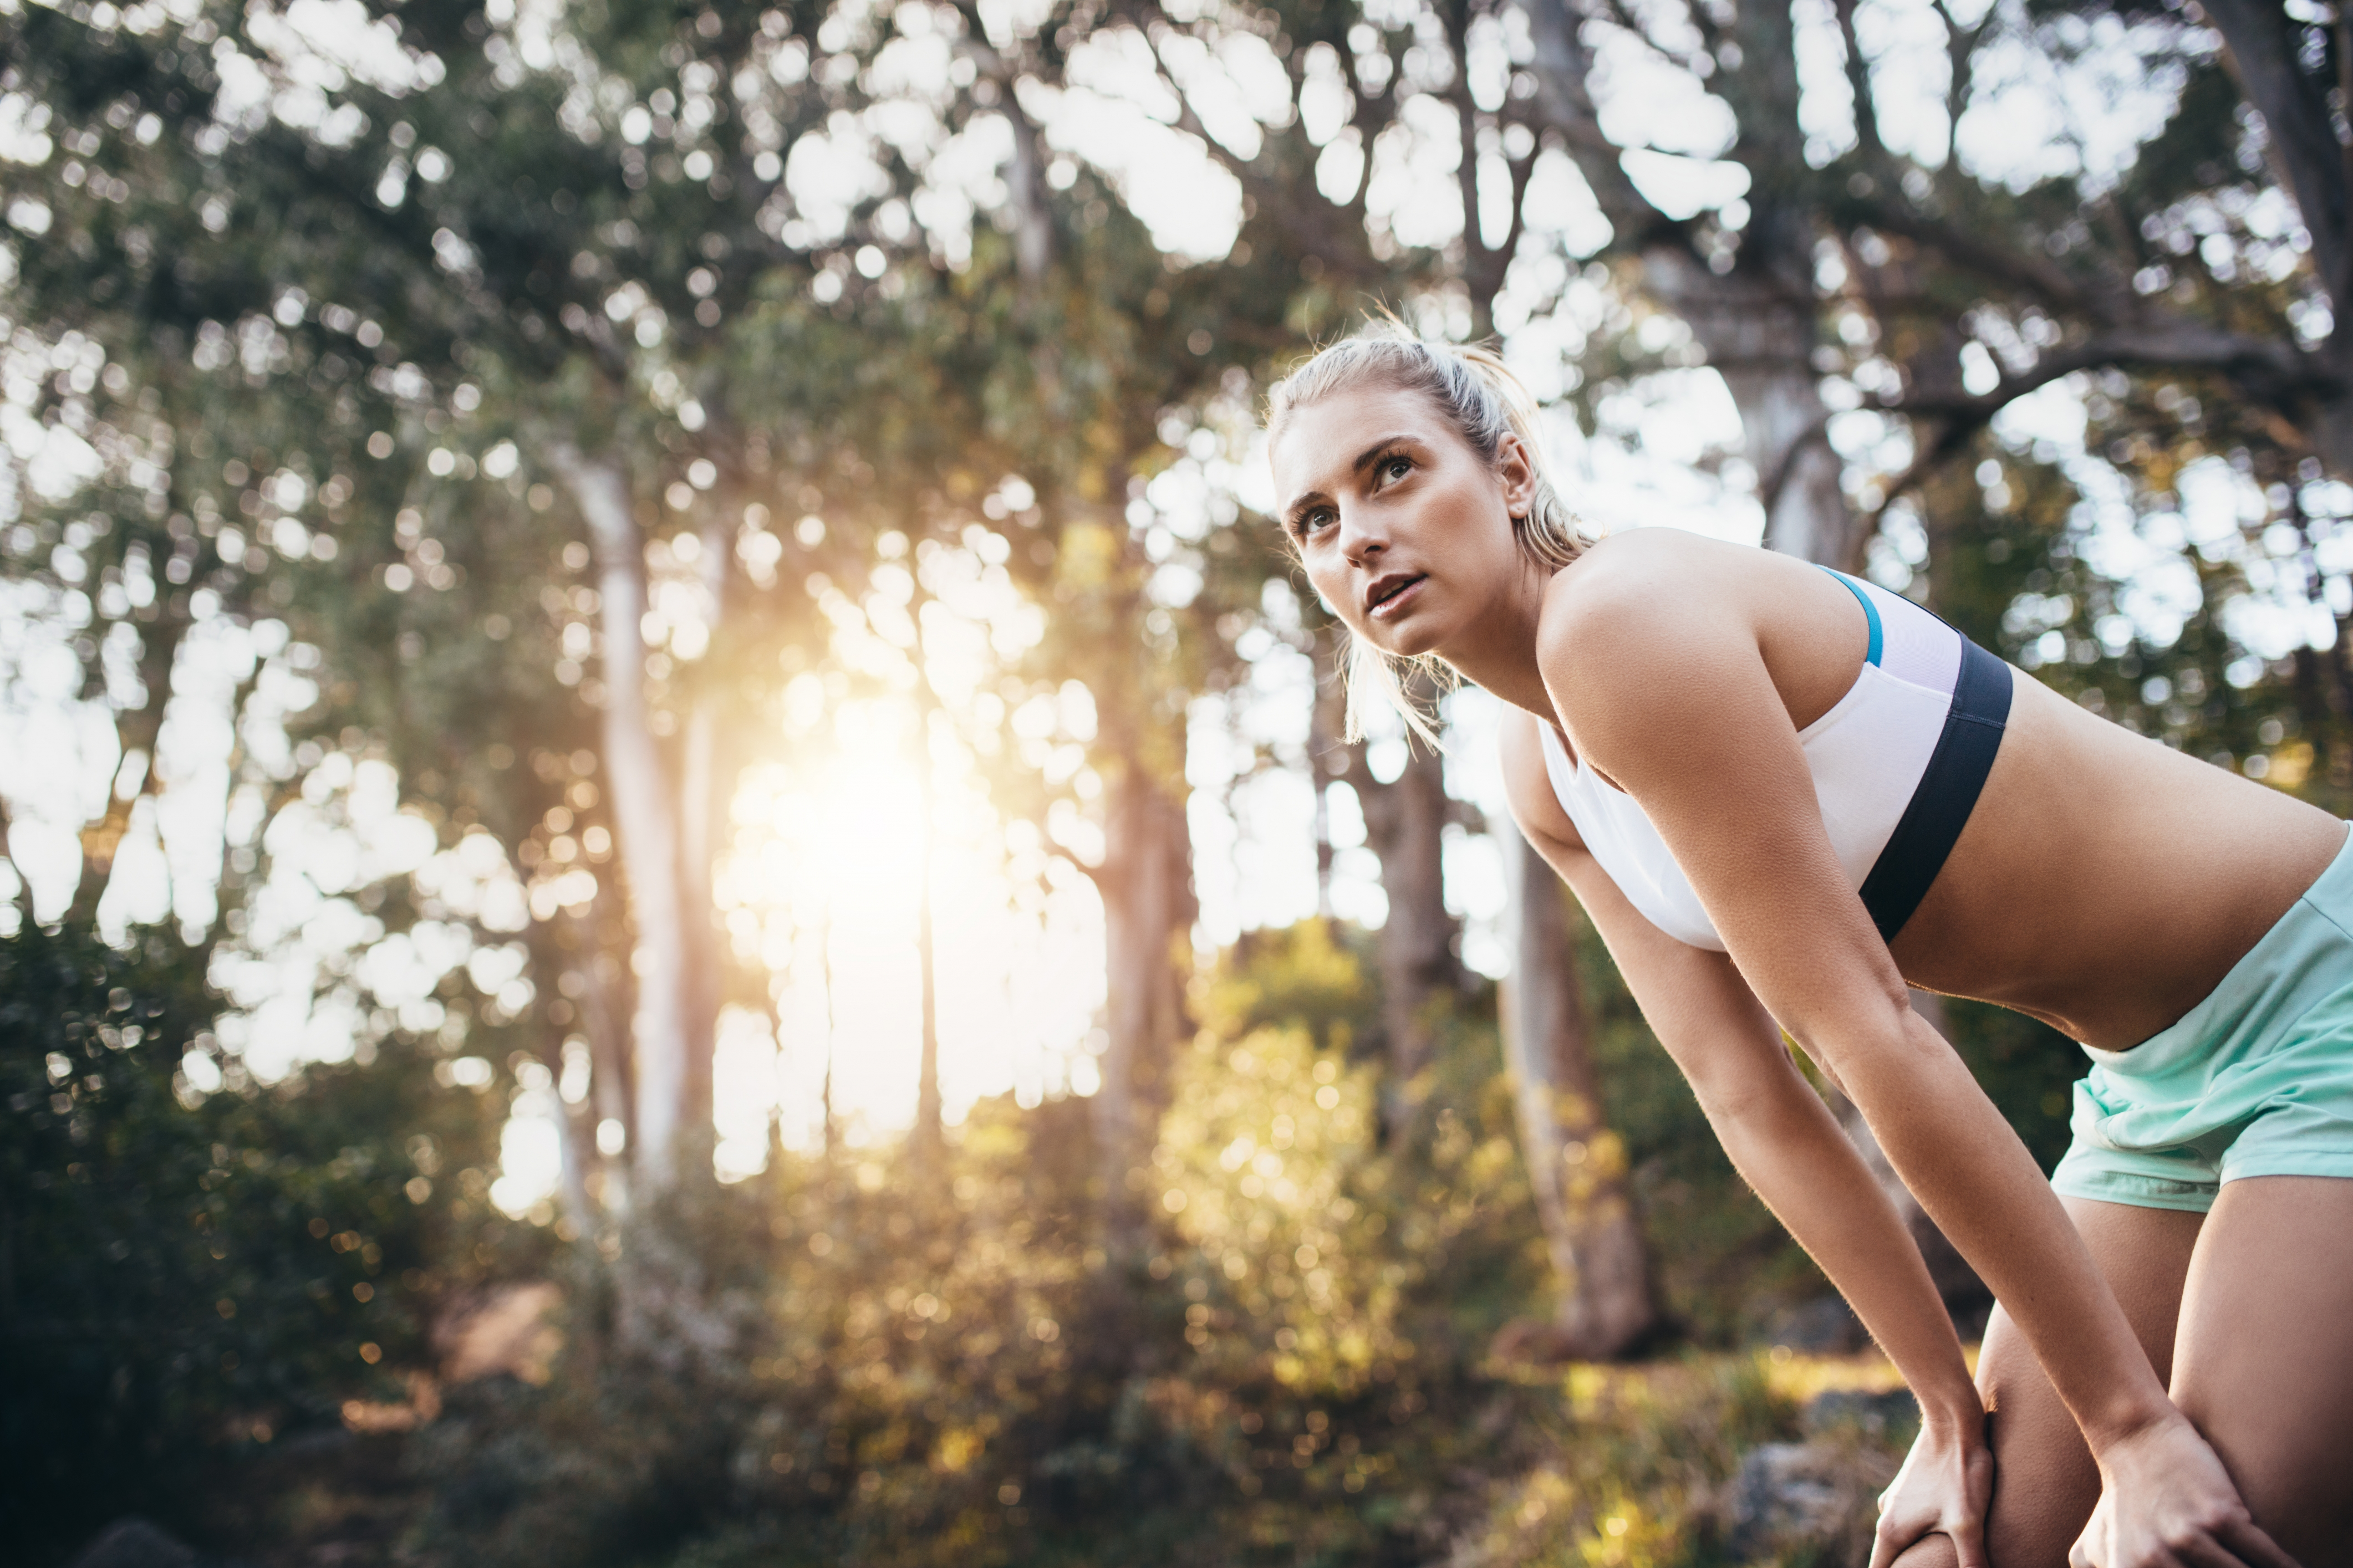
x=2329, y=899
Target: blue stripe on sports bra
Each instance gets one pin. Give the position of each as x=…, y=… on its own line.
x=1870, y=610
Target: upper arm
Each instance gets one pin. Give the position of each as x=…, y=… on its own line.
x=1665, y=691
x=1695, y=1000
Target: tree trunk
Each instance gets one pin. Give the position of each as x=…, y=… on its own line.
x=1403, y=821
x=825, y=1094
x=576, y=1131
x=927, y=1136
x=646, y=820
x=606, y=1007
x=1758, y=327
x=1328, y=760
x=23, y=896
x=706, y=786
x=139, y=729
x=1146, y=882
x=1576, y=1166
x=2260, y=45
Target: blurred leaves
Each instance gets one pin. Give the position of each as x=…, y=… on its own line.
x=192, y=1263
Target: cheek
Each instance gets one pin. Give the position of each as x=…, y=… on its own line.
x=1328, y=575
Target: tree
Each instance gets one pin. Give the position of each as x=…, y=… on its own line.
x=1576, y=1166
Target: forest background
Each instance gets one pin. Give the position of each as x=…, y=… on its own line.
x=681, y=883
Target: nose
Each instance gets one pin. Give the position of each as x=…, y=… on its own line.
x=1360, y=537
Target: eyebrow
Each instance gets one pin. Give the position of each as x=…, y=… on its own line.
x=1363, y=459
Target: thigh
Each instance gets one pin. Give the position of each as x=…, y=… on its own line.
x=2263, y=1358
x=2045, y=1484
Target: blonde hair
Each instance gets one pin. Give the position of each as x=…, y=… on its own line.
x=1485, y=402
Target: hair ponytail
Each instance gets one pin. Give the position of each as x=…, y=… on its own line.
x=1485, y=402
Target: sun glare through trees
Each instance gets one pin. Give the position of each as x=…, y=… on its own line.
x=680, y=882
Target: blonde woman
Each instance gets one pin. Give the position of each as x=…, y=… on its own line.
x=1781, y=794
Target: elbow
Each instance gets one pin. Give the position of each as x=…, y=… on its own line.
x=1759, y=1103
x=1877, y=1026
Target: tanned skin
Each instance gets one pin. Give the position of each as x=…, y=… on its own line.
x=2103, y=883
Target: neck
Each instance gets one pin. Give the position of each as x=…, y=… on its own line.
x=1498, y=653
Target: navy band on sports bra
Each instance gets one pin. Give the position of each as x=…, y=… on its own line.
x=1948, y=792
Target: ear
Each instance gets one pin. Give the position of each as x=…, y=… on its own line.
x=1516, y=473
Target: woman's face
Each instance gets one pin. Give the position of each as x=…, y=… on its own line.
x=1402, y=526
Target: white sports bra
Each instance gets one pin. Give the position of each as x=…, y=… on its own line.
x=1868, y=755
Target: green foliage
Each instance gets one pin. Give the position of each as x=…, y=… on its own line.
x=957, y=1366
x=187, y=1277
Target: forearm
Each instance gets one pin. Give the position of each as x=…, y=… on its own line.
x=1976, y=1180
x=1788, y=1148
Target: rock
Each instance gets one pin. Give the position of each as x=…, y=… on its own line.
x=134, y=1543
x=1821, y=1497
x=1823, y=1326
x=1876, y=1414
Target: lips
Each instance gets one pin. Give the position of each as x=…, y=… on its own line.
x=1387, y=593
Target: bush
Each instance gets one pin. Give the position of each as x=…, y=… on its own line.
x=187, y=1277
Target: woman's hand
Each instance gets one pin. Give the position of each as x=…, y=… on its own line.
x=1946, y=1485
x=2166, y=1503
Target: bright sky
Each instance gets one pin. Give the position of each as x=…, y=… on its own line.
x=820, y=884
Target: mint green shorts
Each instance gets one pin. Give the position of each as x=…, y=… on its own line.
x=2255, y=1080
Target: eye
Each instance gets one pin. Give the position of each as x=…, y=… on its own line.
x=1309, y=522
x=1396, y=466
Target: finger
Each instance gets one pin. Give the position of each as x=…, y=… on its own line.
x=1969, y=1545
x=1892, y=1538
x=1884, y=1548
x=2255, y=1548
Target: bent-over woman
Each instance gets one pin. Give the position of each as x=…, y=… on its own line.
x=1781, y=794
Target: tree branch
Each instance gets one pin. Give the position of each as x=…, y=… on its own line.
x=1858, y=81
x=2269, y=371
x=2018, y=270
x=1033, y=223
x=1562, y=67
x=1960, y=57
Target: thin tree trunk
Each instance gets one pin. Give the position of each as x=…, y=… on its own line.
x=824, y=1101
x=1327, y=756
x=1404, y=820
x=705, y=786
x=575, y=1132
x=1576, y=1166
x=606, y=1005
x=927, y=1130
x=646, y=820
x=926, y=1137
x=702, y=809
x=23, y=896
x=1146, y=882
x=139, y=729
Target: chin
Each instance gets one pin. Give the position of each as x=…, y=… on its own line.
x=1411, y=640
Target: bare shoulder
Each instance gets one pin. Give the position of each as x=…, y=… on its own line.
x=1641, y=602
x=1642, y=575
x=1528, y=783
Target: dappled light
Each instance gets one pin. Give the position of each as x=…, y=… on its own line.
x=683, y=879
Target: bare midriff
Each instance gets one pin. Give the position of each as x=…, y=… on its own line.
x=2104, y=884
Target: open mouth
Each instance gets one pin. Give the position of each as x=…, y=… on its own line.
x=1388, y=593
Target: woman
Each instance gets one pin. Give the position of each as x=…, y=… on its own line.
x=1781, y=794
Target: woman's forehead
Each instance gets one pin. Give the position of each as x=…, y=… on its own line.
x=1313, y=438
